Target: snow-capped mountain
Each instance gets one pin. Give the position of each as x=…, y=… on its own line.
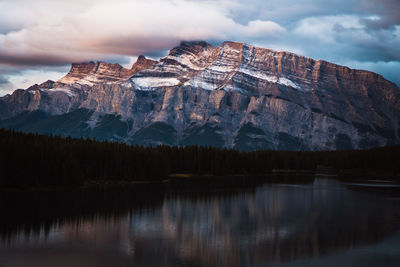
x=234, y=95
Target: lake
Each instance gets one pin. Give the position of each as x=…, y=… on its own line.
x=290, y=222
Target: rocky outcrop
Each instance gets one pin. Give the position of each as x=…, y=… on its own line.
x=101, y=72
x=234, y=95
x=142, y=63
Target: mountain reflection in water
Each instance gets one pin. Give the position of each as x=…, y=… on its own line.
x=321, y=222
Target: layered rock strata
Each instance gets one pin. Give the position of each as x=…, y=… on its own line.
x=234, y=95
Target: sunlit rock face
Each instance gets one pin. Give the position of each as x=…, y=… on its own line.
x=101, y=72
x=234, y=95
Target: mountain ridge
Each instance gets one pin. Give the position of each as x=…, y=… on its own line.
x=233, y=95
x=97, y=72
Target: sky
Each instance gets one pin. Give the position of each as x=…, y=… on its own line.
x=39, y=39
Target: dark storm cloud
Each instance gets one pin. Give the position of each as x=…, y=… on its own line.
x=46, y=60
x=379, y=45
x=388, y=12
x=32, y=60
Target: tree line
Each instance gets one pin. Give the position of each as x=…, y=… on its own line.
x=33, y=160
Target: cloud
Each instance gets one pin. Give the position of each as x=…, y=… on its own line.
x=5, y=85
x=324, y=28
x=263, y=29
x=19, y=77
x=387, y=13
x=52, y=34
x=3, y=80
x=44, y=34
x=29, y=77
x=345, y=37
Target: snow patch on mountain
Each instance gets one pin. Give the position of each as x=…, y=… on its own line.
x=127, y=84
x=259, y=75
x=230, y=87
x=67, y=91
x=222, y=68
x=201, y=83
x=85, y=82
x=185, y=61
x=290, y=83
x=147, y=83
x=270, y=78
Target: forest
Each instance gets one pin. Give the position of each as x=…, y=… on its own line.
x=33, y=160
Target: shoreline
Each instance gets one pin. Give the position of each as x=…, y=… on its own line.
x=213, y=180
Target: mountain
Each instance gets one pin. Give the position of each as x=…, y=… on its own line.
x=100, y=72
x=234, y=95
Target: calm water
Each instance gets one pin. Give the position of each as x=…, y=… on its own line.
x=317, y=222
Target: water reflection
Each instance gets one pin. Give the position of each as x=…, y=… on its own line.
x=256, y=226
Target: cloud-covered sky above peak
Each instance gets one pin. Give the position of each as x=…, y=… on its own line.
x=46, y=35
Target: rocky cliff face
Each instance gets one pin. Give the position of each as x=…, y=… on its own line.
x=101, y=72
x=234, y=95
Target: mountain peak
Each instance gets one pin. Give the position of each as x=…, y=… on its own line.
x=140, y=58
x=78, y=71
x=47, y=84
x=191, y=48
x=102, y=72
x=95, y=72
x=234, y=95
x=141, y=63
